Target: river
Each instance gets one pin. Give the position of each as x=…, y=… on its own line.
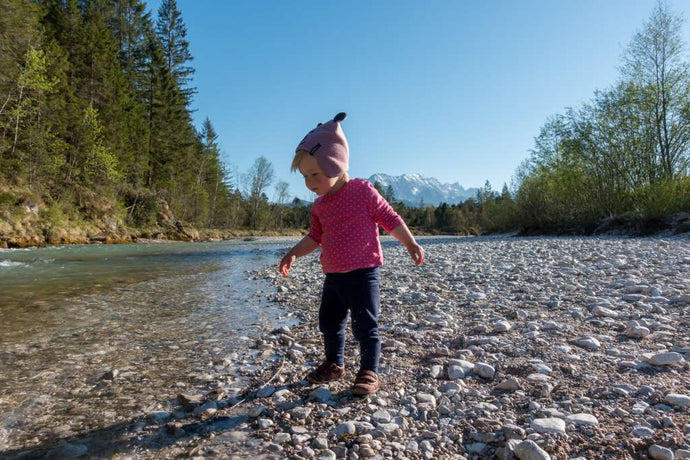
x=92, y=336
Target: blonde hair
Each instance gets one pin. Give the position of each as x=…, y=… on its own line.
x=299, y=156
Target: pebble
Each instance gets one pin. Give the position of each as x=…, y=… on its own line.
x=666, y=359
x=642, y=432
x=679, y=400
x=530, y=450
x=484, y=370
x=548, y=425
x=660, y=453
x=590, y=343
x=582, y=420
x=344, y=429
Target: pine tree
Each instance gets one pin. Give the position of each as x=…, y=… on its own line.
x=172, y=33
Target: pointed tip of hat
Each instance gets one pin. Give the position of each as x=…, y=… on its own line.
x=340, y=117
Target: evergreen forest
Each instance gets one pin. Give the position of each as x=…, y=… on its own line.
x=97, y=140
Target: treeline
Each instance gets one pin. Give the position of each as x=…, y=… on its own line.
x=621, y=159
x=96, y=125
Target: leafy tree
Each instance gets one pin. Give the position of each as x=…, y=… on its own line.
x=259, y=178
x=655, y=64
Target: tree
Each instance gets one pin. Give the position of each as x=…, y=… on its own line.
x=282, y=194
x=172, y=33
x=654, y=63
x=259, y=178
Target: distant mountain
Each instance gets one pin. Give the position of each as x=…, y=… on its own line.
x=411, y=189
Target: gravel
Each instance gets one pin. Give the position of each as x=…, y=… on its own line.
x=501, y=347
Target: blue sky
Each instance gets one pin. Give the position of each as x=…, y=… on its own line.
x=455, y=90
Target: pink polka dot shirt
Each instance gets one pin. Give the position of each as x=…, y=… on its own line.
x=345, y=225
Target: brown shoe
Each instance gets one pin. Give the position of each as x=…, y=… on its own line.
x=366, y=383
x=326, y=372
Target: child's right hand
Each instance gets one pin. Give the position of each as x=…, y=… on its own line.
x=286, y=263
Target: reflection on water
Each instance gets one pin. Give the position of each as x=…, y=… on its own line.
x=166, y=318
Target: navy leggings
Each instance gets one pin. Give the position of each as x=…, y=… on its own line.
x=358, y=291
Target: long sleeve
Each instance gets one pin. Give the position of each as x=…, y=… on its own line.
x=382, y=212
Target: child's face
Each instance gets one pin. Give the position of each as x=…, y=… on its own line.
x=314, y=178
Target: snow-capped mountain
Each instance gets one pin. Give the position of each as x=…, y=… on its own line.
x=411, y=189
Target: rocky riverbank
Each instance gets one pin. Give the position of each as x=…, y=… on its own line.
x=529, y=348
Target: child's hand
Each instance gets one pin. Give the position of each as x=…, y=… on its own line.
x=286, y=263
x=416, y=252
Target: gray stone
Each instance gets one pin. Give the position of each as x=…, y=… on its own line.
x=344, y=429
x=321, y=394
x=264, y=423
x=456, y=372
x=327, y=455
x=529, y=450
x=68, y=451
x=509, y=384
x=381, y=416
x=660, y=453
x=159, y=418
x=300, y=413
x=642, y=432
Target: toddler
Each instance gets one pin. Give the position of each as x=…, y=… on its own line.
x=344, y=223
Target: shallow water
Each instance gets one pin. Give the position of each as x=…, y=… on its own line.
x=167, y=318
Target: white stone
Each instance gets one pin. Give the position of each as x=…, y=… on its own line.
x=582, y=419
x=635, y=331
x=466, y=366
x=300, y=413
x=530, y=450
x=484, y=370
x=538, y=378
x=542, y=368
x=436, y=371
x=381, y=416
x=604, y=312
x=589, y=343
x=509, y=384
x=502, y=326
x=678, y=400
x=344, y=429
x=548, y=425
x=666, y=359
x=426, y=398
x=327, y=455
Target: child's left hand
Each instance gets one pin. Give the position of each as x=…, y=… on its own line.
x=416, y=252
x=286, y=263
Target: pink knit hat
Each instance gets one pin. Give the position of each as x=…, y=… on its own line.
x=328, y=145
